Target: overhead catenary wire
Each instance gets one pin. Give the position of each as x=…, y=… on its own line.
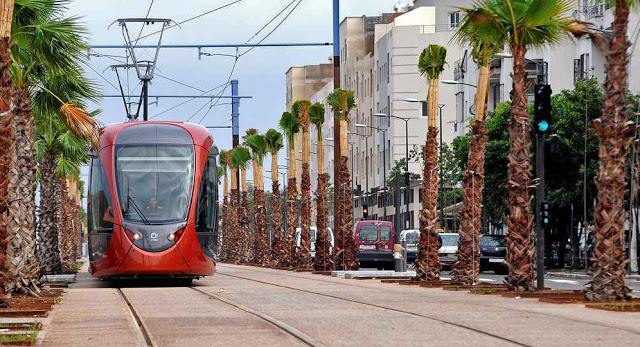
x=142, y=27
x=275, y=28
x=271, y=21
x=188, y=100
x=194, y=17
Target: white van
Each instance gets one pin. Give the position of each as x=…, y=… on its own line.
x=313, y=239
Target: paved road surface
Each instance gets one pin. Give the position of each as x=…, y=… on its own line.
x=253, y=306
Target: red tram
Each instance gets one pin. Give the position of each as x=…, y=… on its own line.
x=152, y=203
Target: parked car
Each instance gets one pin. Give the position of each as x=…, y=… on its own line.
x=313, y=240
x=374, y=243
x=448, y=249
x=493, y=252
x=412, y=238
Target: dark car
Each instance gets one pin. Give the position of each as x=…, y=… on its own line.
x=493, y=252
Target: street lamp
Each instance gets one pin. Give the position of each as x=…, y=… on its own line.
x=458, y=83
x=384, y=159
x=406, y=144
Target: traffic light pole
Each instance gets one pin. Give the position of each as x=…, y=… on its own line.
x=540, y=200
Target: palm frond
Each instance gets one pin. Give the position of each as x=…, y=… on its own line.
x=222, y=159
x=274, y=141
x=342, y=101
x=290, y=125
x=219, y=173
x=316, y=117
x=240, y=157
x=432, y=61
x=258, y=145
x=247, y=133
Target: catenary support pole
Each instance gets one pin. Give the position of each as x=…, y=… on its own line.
x=408, y=221
x=336, y=122
x=443, y=224
x=235, y=120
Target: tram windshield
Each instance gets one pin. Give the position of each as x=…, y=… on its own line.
x=154, y=182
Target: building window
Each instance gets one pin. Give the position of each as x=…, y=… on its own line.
x=454, y=19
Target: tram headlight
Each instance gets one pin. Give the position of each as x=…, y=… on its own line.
x=172, y=236
x=137, y=236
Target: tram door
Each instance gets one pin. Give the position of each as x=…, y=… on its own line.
x=99, y=210
x=207, y=215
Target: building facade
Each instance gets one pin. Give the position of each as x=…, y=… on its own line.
x=379, y=56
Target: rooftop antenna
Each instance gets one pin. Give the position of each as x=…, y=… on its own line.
x=144, y=68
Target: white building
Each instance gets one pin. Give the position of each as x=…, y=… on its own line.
x=379, y=58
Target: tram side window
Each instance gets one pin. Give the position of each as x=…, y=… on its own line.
x=207, y=209
x=100, y=210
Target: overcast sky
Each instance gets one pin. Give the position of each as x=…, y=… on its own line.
x=261, y=73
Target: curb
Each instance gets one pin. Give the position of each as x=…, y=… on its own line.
x=585, y=276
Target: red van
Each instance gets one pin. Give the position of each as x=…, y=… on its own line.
x=374, y=243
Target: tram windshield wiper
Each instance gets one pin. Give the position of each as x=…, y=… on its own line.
x=137, y=209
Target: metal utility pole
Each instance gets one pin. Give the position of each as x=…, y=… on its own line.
x=540, y=228
x=407, y=179
x=441, y=195
x=337, y=213
x=235, y=121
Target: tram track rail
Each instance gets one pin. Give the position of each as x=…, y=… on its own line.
x=140, y=327
x=304, y=338
x=595, y=323
x=414, y=314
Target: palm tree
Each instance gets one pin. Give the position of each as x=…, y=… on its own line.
x=232, y=231
x=323, y=258
x=342, y=102
x=485, y=43
x=300, y=109
x=6, y=133
x=254, y=169
x=223, y=164
x=241, y=158
x=290, y=125
x=45, y=45
x=525, y=24
x=431, y=63
x=612, y=129
x=261, y=252
x=274, y=145
x=59, y=155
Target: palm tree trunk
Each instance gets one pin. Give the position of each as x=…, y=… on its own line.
x=6, y=137
x=345, y=248
x=323, y=260
x=278, y=251
x=427, y=265
x=243, y=213
x=466, y=270
x=23, y=266
x=233, y=231
x=49, y=246
x=67, y=234
x=608, y=278
x=520, y=246
x=291, y=201
x=304, y=253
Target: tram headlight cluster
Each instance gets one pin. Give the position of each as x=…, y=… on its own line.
x=171, y=236
x=137, y=236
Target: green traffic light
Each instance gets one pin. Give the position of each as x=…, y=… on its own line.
x=543, y=125
x=546, y=221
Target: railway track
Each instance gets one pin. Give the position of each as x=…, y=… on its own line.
x=361, y=285
x=414, y=314
x=146, y=338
